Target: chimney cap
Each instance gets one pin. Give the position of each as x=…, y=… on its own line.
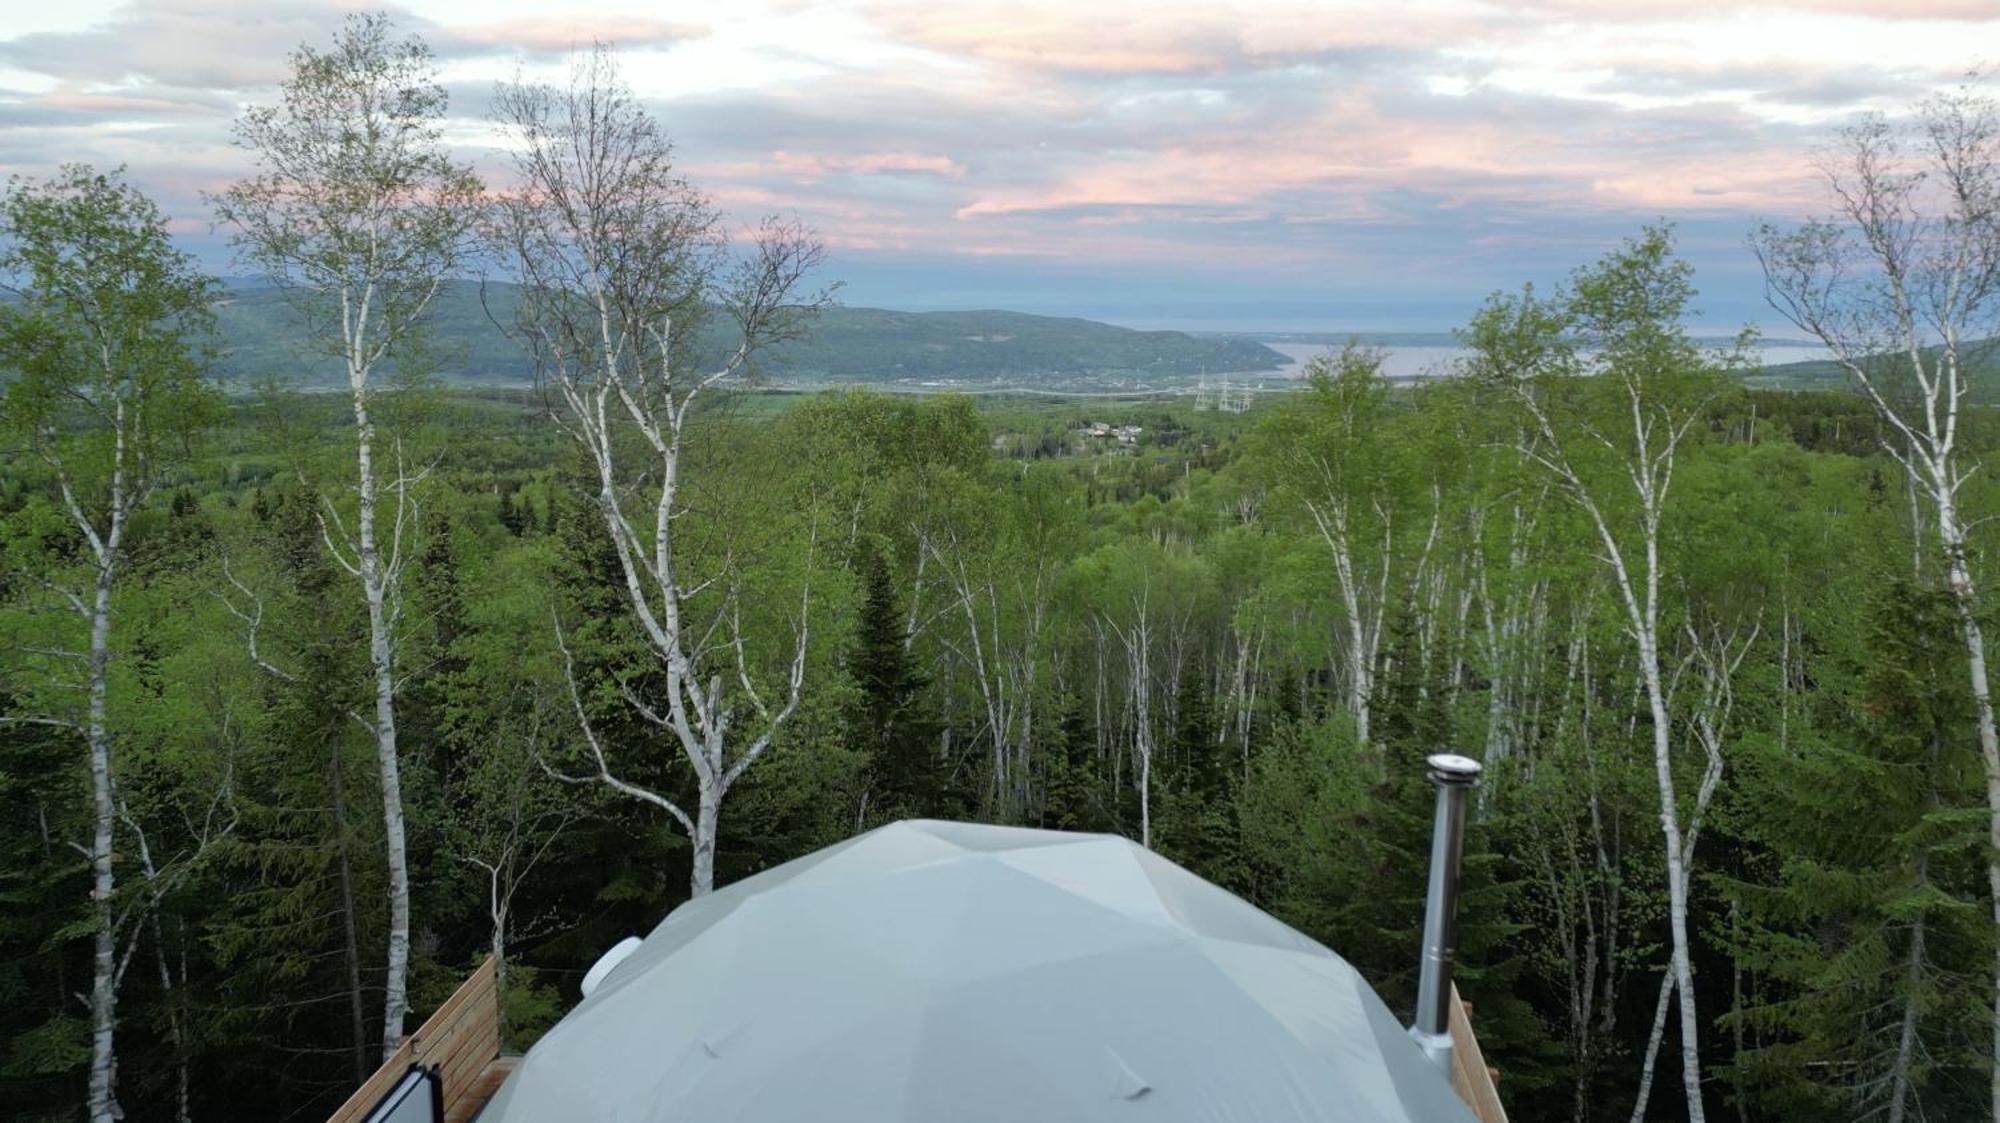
x=1451, y=768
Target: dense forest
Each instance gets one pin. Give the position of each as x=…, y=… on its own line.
x=310, y=701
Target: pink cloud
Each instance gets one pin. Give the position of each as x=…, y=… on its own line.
x=811, y=166
x=1176, y=133
x=117, y=103
x=1342, y=163
x=1648, y=10
x=1158, y=38
x=562, y=31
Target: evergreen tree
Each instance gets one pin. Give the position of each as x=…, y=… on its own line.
x=437, y=601
x=1197, y=816
x=291, y=940
x=1343, y=832
x=1076, y=794
x=1869, y=927
x=515, y=514
x=888, y=717
x=45, y=1036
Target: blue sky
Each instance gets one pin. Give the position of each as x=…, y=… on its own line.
x=1272, y=163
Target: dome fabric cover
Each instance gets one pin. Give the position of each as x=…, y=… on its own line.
x=935, y=972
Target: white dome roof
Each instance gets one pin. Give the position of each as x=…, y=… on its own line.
x=933, y=972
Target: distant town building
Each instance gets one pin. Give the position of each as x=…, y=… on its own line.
x=1123, y=437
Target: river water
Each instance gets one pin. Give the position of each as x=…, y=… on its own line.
x=1404, y=362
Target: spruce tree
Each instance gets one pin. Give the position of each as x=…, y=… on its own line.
x=306, y=901
x=1076, y=796
x=1197, y=813
x=1868, y=929
x=888, y=717
x=1342, y=834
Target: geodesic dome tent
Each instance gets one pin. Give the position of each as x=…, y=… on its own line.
x=935, y=972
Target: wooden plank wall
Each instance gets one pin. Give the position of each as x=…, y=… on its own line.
x=458, y=1040
x=463, y=1035
x=1475, y=1083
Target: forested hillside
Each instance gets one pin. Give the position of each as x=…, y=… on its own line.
x=259, y=339
x=310, y=701
x=1982, y=381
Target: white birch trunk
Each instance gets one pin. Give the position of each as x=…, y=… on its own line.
x=1654, y=1036
x=1138, y=642
x=707, y=820
x=1651, y=473
x=1677, y=879
x=1140, y=648
x=1363, y=611
x=376, y=587
x=103, y=1103
x=1719, y=660
x=176, y=1034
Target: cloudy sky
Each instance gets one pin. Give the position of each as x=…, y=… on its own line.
x=1268, y=163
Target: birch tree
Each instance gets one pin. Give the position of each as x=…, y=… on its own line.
x=1607, y=421
x=992, y=555
x=1141, y=594
x=968, y=557
x=621, y=262
x=1329, y=458
x=1572, y=847
x=1902, y=286
x=510, y=817
x=104, y=389
x=358, y=214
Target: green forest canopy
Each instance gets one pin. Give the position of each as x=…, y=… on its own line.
x=1259, y=783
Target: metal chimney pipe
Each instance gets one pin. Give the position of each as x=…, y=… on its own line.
x=1454, y=776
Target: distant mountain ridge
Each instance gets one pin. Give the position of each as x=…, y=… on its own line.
x=259, y=339
x=1982, y=372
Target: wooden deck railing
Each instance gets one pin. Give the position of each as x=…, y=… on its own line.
x=1475, y=1083
x=459, y=1042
